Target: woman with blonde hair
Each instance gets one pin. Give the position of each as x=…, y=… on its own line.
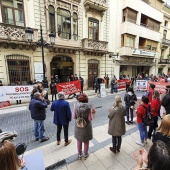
x=163, y=132
x=117, y=123
x=8, y=157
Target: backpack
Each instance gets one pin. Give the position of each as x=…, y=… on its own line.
x=82, y=109
x=148, y=119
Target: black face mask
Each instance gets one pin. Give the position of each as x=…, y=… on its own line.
x=167, y=90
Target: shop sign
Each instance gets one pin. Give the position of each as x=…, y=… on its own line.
x=143, y=52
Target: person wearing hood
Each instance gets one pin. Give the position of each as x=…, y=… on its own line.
x=117, y=127
x=130, y=98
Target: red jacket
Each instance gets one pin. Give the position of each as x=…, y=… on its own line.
x=141, y=111
x=155, y=105
x=150, y=94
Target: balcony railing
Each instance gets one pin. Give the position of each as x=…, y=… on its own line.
x=14, y=33
x=100, y=5
x=93, y=45
x=165, y=42
x=164, y=61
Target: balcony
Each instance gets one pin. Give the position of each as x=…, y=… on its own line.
x=14, y=36
x=164, y=61
x=137, y=52
x=99, y=5
x=165, y=42
x=94, y=46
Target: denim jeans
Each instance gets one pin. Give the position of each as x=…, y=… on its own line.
x=39, y=130
x=143, y=131
x=127, y=113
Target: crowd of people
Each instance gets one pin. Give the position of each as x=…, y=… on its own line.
x=83, y=112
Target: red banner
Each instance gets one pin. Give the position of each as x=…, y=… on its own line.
x=122, y=84
x=159, y=86
x=4, y=104
x=69, y=87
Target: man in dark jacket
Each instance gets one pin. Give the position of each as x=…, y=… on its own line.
x=62, y=117
x=38, y=114
x=166, y=100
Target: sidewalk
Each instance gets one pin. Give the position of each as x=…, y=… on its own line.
x=100, y=157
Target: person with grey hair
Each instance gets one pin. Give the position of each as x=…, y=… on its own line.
x=117, y=127
x=37, y=108
x=62, y=117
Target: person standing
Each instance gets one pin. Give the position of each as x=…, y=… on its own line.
x=130, y=98
x=57, y=80
x=112, y=85
x=81, y=83
x=107, y=81
x=37, y=108
x=166, y=100
x=53, y=90
x=155, y=108
x=75, y=77
x=150, y=92
x=1, y=83
x=96, y=84
x=99, y=81
x=141, y=111
x=117, y=124
x=84, y=134
x=62, y=117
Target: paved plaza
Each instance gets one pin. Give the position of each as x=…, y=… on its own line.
x=65, y=157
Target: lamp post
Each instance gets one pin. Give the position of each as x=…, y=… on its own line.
x=29, y=35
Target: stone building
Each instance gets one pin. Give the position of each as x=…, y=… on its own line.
x=93, y=37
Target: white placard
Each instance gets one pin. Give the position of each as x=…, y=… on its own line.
x=38, y=67
x=141, y=84
x=39, y=77
x=103, y=90
x=15, y=92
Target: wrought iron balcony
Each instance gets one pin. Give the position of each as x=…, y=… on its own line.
x=164, y=61
x=99, y=5
x=166, y=42
x=93, y=45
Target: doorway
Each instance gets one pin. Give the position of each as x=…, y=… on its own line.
x=93, y=70
x=62, y=66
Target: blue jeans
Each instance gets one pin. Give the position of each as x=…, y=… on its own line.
x=143, y=131
x=39, y=130
x=127, y=113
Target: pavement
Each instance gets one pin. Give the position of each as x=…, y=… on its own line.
x=100, y=157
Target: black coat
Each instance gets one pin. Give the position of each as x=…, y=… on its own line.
x=166, y=102
x=37, y=108
x=161, y=137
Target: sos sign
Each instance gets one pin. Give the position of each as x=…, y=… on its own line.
x=21, y=89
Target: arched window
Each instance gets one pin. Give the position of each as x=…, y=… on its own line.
x=75, y=26
x=64, y=23
x=51, y=19
x=93, y=29
x=164, y=34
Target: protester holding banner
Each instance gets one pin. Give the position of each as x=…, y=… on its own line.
x=155, y=108
x=130, y=98
x=166, y=100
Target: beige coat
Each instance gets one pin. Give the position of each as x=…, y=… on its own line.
x=117, y=121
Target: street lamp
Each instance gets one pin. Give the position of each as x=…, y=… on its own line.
x=29, y=35
x=114, y=54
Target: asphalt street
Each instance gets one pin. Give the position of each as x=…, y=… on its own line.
x=22, y=123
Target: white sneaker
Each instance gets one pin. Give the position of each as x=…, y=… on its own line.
x=140, y=143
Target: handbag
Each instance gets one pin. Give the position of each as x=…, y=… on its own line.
x=80, y=122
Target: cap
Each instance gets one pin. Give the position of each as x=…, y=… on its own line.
x=168, y=87
x=152, y=86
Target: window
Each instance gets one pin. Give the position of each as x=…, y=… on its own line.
x=130, y=41
x=129, y=15
x=93, y=28
x=64, y=23
x=166, y=23
x=75, y=26
x=13, y=12
x=51, y=19
x=164, y=34
x=18, y=69
x=148, y=47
